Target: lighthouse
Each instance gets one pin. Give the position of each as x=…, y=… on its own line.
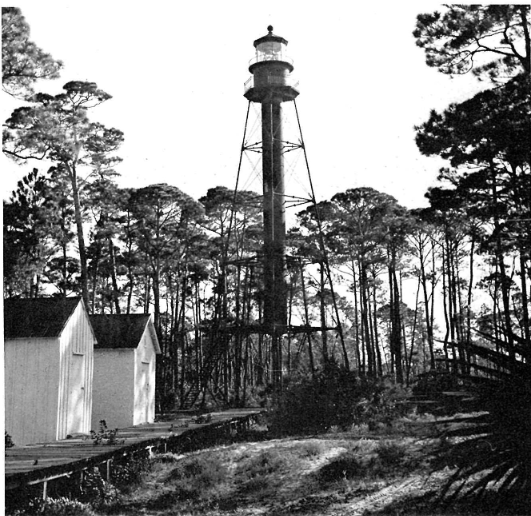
x=269, y=315
x=271, y=85
x=279, y=324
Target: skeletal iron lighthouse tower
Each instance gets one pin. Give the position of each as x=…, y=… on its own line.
x=270, y=85
x=264, y=311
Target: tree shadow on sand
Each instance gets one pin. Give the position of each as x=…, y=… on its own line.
x=430, y=504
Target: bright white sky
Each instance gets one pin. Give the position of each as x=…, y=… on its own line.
x=176, y=72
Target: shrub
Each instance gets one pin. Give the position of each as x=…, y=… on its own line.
x=94, y=490
x=8, y=440
x=55, y=507
x=380, y=404
x=310, y=449
x=334, y=398
x=390, y=454
x=259, y=473
x=363, y=460
x=255, y=485
x=344, y=467
x=129, y=472
x=264, y=463
x=314, y=405
x=104, y=436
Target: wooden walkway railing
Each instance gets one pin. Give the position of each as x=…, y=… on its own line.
x=39, y=464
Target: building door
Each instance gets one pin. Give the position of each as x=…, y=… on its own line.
x=145, y=392
x=76, y=396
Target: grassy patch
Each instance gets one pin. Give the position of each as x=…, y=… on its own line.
x=56, y=507
x=390, y=454
x=196, y=477
x=310, y=449
x=261, y=473
x=365, y=460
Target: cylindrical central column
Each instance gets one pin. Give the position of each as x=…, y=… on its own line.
x=275, y=302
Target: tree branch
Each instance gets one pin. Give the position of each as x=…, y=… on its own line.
x=16, y=155
x=527, y=38
x=485, y=48
x=509, y=41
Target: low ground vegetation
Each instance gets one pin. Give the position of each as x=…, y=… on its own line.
x=375, y=455
x=337, y=472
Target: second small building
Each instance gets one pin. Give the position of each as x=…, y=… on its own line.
x=124, y=370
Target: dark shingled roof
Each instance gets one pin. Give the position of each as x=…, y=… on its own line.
x=119, y=331
x=44, y=317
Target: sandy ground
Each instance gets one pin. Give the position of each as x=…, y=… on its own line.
x=349, y=498
x=295, y=484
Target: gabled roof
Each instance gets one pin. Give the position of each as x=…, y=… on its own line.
x=44, y=317
x=122, y=331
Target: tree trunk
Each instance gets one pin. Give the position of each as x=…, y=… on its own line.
x=394, y=307
x=445, y=305
x=322, y=306
x=371, y=370
x=429, y=327
x=78, y=215
x=505, y=282
x=525, y=301
x=307, y=322
x=115, y=290
x=356, y=315
x=237, y=342
x=468, y=339
x=376, y=338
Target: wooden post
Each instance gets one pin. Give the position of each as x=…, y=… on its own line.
x=108, y=470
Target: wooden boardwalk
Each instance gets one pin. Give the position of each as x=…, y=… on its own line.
x=43, y=462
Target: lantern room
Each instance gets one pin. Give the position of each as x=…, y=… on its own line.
x=271, y=68
x=271, y=48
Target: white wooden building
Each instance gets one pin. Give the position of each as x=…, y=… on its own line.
x=49, y=344
x=124, y=370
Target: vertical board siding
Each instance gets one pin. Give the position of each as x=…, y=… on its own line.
x=31, y=387
x=113, y=388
